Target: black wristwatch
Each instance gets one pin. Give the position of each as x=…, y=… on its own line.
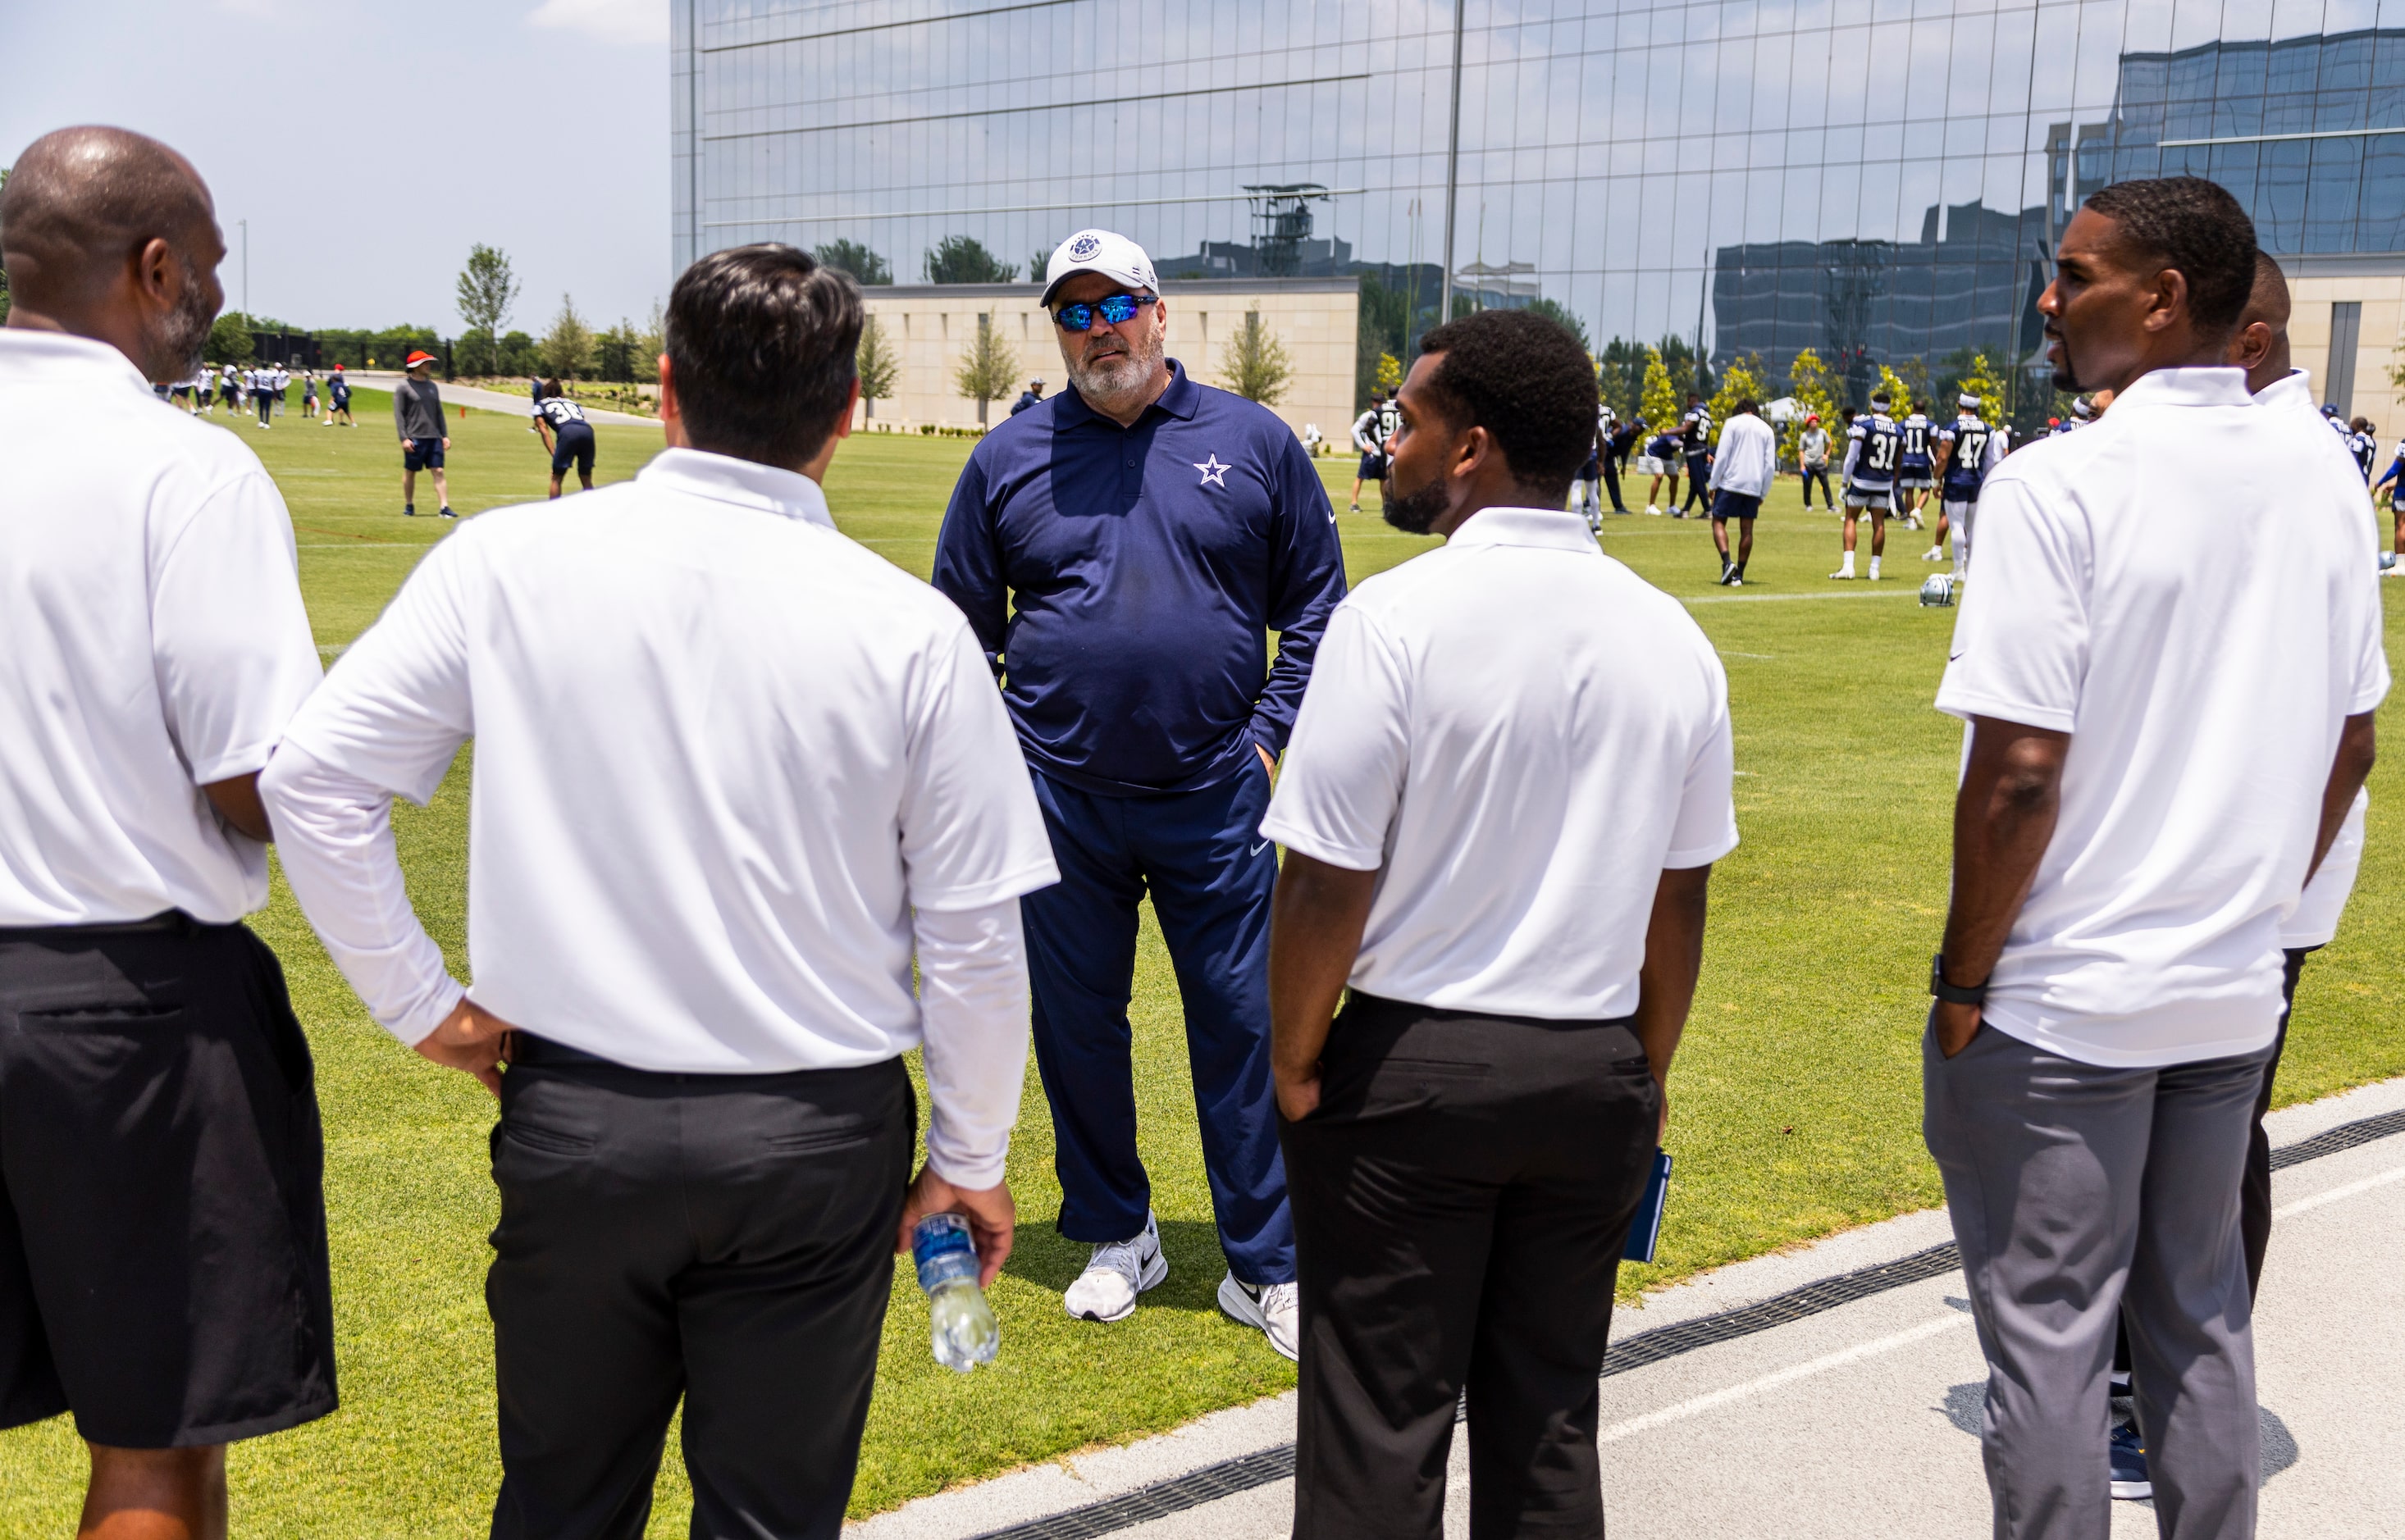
x=1953, y=994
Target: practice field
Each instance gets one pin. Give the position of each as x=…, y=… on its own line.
x=1795, y=1102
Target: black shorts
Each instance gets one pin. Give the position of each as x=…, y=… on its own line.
x=1374, y=467
x=413, y=457
x=571, y=445
x=1734, y=505
x=163, y=1219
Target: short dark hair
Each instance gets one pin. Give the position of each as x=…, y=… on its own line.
x=761, y=342
x=2195, y=226
x=1524, y=379
x=1749, y=404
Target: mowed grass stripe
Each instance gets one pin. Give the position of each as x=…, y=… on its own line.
x=1795, y=1107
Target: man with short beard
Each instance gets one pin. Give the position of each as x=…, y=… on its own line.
x=162, y=1235
x=1149, y=531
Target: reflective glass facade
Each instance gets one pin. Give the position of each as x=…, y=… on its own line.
x=1880, y=180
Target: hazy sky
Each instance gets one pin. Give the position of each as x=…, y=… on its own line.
x=369, y=142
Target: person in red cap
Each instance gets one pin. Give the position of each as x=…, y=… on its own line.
x=338, y=399
x=418, y=416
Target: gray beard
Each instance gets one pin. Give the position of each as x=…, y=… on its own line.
x=1117, y=383
x=176, y=345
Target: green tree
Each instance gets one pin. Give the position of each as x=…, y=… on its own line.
x=488, y=292
x=1741, y=381
x=1619, y=376
x=1390, y=372
x=1561, y=316
x=964, y=260
x=1914, y=374
x=1809, y=381
x=519, y=355
x=1658, y=398
x=1898, y=394
x=228, y=340
x=651, y=342
x=1981, y=380
x=1255, y=364
x=988, y=365
x=1385, y=320
x=568, y=347
x=1679, y=360
x=614, y=352
x=879, y=363
x=854, y=258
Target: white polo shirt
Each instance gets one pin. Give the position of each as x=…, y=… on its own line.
x=152, y=641
x=2203, y=656
x=721, y=751
x=2315, y=920
x=1518, y=734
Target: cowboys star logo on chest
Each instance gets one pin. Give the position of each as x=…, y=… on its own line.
x=1214, y=474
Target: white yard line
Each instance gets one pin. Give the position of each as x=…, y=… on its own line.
x=1698, y=1405
x=2351, y=1189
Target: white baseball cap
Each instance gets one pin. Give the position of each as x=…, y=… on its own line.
x=1112, y=255
x=1967, y=399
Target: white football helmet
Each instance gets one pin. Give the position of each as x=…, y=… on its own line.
x=1938, y=591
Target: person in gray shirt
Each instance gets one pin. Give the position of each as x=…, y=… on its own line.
x=418, y=416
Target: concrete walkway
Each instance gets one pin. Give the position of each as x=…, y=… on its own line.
x=1834, y=1392
x=488, y=401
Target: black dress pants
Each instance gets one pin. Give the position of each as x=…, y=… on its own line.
x=1460, y=1199
x=727, y=1239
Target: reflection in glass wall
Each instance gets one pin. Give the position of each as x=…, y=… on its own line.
x=1879, y=180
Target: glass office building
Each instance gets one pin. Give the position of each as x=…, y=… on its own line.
x=1879, y=180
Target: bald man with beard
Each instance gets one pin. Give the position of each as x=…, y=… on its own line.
x=162, y=1235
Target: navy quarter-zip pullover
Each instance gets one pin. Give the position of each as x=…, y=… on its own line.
x=1146, y=566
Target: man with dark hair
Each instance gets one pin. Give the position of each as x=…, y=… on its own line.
x=1695, y=448
x=1915, y=458
x=1123, y=555
x=732, y=773
x=1617, y=445
x=1741, y=474
x=1509, y=782
x=1031, y=397
x=567, y=437
x=2109, y=989
x=163, y=1272
x=1873, y=448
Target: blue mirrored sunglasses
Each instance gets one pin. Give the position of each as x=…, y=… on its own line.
x=1114, y=308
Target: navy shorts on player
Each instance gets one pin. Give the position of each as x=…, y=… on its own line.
x=1374, y=467
x=413, y=457
x=571, y=445
x=162, y=1221
x=1734, y=505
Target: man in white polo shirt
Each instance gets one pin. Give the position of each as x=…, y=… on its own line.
x=162, y=1235
x=2109, y=987
x=1741, y=472
x=1508, y=782
x=732, y=772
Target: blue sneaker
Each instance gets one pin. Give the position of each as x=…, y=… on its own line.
x=2127, y=1453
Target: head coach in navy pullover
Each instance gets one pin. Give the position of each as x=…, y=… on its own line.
x=1150, y=532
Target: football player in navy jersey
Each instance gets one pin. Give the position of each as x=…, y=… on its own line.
x=1913, y=477
x=1661, y=457
x=2363, y=443
x=567, y=437
x=1967, y=449
x=1873, y=451
x=2393, y=480
x=1695, y=448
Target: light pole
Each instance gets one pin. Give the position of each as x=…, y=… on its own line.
x=246, y=269
x=1451, y=168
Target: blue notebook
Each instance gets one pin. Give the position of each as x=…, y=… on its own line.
x=1647, y=1227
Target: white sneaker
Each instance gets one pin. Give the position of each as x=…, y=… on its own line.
x=1118, y=1272
x=1271, y=1308
x=1934, y=553
x=1651, y=509
x=1843, y=574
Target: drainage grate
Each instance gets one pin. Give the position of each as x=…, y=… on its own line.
x=2346, y=1136
x=1177, y=1494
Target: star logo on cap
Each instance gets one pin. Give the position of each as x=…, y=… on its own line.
x=1084, y=247
x=1214, y=474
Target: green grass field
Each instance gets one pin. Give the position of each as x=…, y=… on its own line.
x=1795, y=1100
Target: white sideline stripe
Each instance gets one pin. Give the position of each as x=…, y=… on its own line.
x=1697, y=1406
x=1904, y=593
x=2351, y=1189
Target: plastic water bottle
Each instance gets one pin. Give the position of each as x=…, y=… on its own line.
x=960, y=1323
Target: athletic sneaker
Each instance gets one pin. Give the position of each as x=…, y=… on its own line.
x=1116, y=1273
x=2126, y=1451
x=447, y=512
x=1651, y=509
x=1934, y=553
x=1735, y=579
x=1912, y=521
x=409, y=510
x=1270, y=1307
x=1355, y=508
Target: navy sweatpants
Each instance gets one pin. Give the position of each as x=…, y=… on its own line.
x=1210, y=874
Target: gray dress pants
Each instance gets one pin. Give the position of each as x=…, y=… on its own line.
x=2077, y=1191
